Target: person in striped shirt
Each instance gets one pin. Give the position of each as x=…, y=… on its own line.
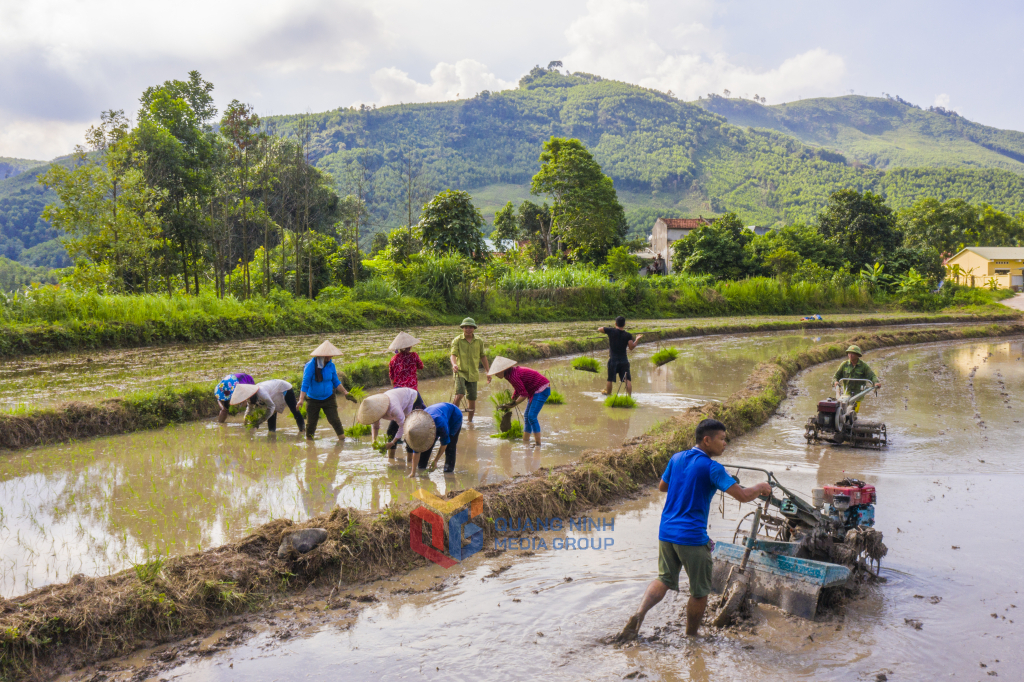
x=527, y=384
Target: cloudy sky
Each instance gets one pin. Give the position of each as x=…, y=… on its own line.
x=63, y=61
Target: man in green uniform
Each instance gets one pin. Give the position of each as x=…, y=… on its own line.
x=855, y=368
x=466, y=355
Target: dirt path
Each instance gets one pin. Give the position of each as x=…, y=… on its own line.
x=1017, y=302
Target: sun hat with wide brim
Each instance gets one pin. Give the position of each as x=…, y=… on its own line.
x=855, y=349
x=500, y=364
x=468, y=322
x=243, y=392
x=420, y=431
x=403, y=340
x=325, y=350
x=372, y=408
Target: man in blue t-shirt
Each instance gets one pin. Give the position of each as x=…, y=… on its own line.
x=691, y=479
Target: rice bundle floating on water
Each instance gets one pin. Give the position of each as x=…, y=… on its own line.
x=619, y=401
x=586, y=364
x=664, y=355
x=556, y=398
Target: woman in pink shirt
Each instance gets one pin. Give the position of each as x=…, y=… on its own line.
x=527, y=384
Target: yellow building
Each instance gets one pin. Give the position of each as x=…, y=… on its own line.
x=979, y=264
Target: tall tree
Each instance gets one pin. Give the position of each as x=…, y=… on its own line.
x=862, y=224
x=586, y=215
x=450, y=222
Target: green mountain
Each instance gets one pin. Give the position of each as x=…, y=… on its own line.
x=667, y=157
x=10, y=167
x=883, y=133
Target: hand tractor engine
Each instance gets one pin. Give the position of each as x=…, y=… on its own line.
x=837, y=422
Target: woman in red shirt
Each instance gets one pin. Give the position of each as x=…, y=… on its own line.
x=527, y=385
x=403, y=366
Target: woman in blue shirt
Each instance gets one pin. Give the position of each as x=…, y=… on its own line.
x=319, y=384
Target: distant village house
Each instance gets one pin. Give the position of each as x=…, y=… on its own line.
x=668, y=230
x=979, y=264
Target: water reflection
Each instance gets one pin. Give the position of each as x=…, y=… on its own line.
x=95, y=506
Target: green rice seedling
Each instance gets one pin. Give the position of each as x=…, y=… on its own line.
x=379, y=444
x=149, y=571
x=664, y=355
x=586, y=364
x=501, y=397
x=514, y=432
x=556, y=398
x=357, y=430
x=358, y=392
x=254, y=416
x=619, y=401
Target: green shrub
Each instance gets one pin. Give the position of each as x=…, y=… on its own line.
x=375, y=289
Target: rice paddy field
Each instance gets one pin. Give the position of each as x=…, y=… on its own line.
x=99, y=506
x=38, y=381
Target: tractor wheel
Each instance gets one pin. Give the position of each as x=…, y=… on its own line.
x=730, y=605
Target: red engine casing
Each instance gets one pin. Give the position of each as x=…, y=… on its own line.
x=827, y=406
x=858, y=496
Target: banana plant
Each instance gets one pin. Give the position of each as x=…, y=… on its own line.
x=875, y=276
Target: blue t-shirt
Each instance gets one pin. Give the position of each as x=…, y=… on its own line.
x=320, y=390
x=693, y=478
x=448, y=420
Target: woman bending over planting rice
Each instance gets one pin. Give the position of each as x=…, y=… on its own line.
x=528, y=385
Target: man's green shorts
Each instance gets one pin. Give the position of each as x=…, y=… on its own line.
x=466, y=388
x=696, y=559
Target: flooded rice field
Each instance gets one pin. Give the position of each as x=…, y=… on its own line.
x=948, y=503
x=60, y=377
x=97, y=506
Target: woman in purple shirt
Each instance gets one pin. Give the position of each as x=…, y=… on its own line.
x=225, y=388
x=527, y=384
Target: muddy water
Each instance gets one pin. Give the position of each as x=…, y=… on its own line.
x=948, y=488
x=43, y=380
x=96, y=506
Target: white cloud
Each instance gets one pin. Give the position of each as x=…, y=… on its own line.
x=462, y=79
x=41, y=140
x=617, y=39
x=941, y=101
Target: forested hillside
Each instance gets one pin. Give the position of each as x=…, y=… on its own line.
x=882, y=132
x=10, y=167
x=666, y=157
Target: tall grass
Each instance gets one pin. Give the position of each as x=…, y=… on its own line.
x=568, y=277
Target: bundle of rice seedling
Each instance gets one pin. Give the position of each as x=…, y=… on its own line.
x=556, y=398
x=358, y=392
x=254, y=416
x=619, y=401
x=502, y=397
x=379, y=444
x=514, y=432
x=357, y=430
x=664, y=355
x=586, y=364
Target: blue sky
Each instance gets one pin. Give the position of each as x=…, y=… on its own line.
x=62, y=62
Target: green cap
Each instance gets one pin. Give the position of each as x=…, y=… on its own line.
x=855, y=349
x=468, y=322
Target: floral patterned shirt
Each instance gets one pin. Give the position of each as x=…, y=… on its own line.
x=227, y=385
x=402, y=370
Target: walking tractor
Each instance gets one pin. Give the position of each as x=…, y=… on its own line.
x=837, y=421
x=788, y=551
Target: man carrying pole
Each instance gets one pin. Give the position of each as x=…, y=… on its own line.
x=619, y=342
x=466, y=355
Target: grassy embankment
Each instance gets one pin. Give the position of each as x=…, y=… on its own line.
x=92, y=619
x=51, y=319
x=148, y=410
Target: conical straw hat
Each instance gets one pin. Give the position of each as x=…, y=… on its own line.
x=372, y=408
x=325, y=350
x=243, y=392
x=500, y=364
x=403, y=340
x=420, y=431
